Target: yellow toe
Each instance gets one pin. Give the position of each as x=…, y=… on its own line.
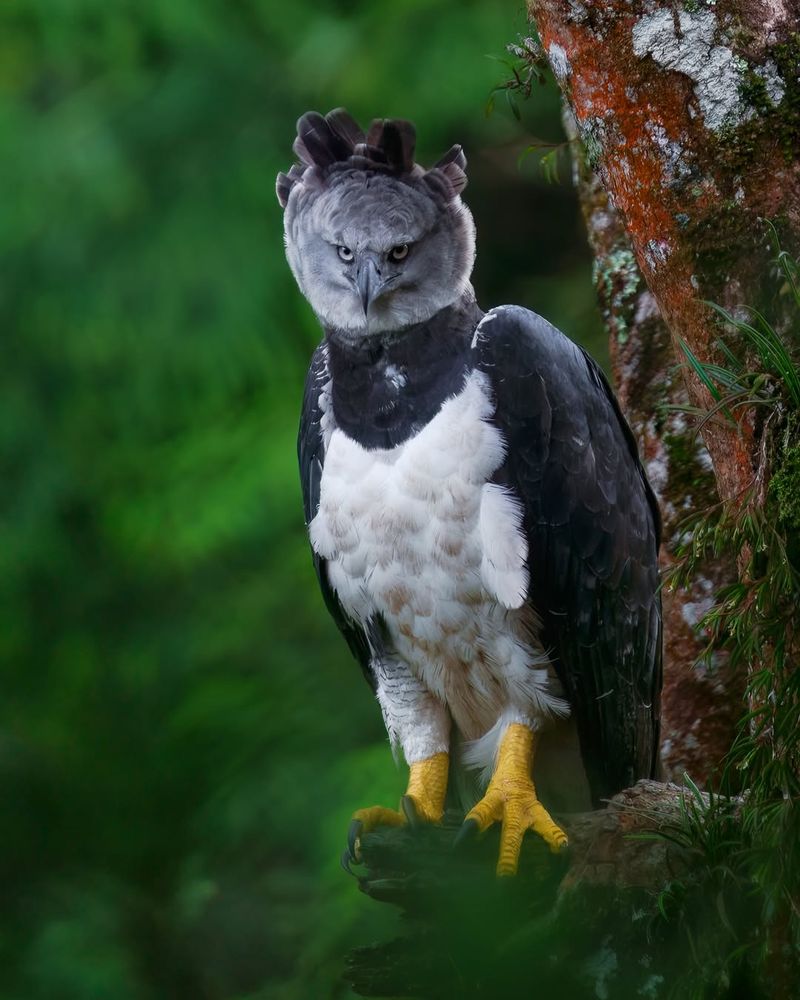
x=423, y=801
x=375, y=816
x=511, y=800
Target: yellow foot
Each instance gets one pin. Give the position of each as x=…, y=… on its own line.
x=511, y=800
x=422, y=803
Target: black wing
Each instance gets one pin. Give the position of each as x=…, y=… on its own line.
x=311, y=456
x=593, y=532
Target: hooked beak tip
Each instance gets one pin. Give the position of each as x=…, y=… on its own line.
x=368, y=283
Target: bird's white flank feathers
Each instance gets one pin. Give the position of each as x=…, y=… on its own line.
x=504, y=546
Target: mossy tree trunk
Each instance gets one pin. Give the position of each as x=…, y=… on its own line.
x=689, y=121
x=700, y=706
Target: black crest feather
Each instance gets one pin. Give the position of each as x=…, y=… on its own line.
x=454, y=166
x=317, y=144
x=397, y=139
x=346, y=127
x=336, y=142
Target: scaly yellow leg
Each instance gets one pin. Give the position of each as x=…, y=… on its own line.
x=511, y=799
x=423, y=801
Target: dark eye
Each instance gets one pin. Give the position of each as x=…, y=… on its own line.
x=399, y=252
x=345, y=254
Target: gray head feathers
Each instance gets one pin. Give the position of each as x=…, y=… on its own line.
x=376, y=242
x=334, y=143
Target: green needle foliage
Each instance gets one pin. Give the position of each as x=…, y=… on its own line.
x=746, y=837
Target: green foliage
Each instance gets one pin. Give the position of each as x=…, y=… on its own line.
x=530, y=64
x=774, y=113
x=710, y=909
x=747, y=847
x=466, y=933
x=785, y=118
x=785, y=483
x=182, y=732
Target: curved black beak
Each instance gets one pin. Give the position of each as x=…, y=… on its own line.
x=368, y=280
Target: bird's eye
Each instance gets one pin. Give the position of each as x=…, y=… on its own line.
x=399, y=252
x=345, y=254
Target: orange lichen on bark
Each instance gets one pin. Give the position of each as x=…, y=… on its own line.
x=689, y=184
x=699, y=707
x=689, y=211
x=603, y=93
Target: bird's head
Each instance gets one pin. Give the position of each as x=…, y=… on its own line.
x=375, y=242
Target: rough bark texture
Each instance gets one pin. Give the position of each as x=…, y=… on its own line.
x=468, y=934
x=700, y=705
x=689, y=115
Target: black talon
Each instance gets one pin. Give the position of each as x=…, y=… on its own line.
x=410, y=810
x=353, y=836
x=344, y=861
x=467, y=834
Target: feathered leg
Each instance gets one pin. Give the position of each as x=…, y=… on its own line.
x=417, y=721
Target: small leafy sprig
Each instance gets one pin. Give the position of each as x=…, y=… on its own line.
x=747, y=845
x=531, y=65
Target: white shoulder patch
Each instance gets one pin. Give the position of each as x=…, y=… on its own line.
x=505, y=547
x=486, y=319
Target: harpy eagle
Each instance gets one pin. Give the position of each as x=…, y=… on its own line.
x=482, y=528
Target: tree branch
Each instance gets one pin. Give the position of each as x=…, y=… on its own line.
x=467, y=933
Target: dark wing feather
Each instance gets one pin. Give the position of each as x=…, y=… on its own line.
x=593, y=532
x=311, y=457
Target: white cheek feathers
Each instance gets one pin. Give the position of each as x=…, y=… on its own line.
x=439, y=263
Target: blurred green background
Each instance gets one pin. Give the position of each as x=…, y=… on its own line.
x=183, y=735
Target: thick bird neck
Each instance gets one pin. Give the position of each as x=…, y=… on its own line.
x=449, y=322
x=387, y=388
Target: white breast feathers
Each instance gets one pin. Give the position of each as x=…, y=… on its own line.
x=418, y=535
